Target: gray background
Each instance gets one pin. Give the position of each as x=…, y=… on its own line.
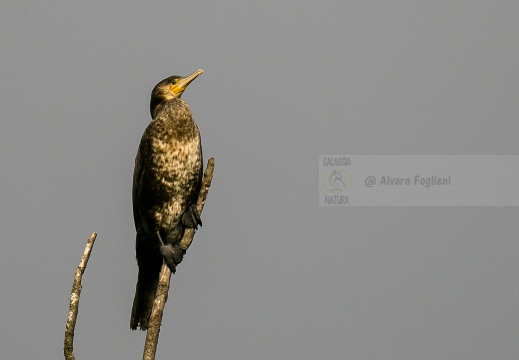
x=270, y=275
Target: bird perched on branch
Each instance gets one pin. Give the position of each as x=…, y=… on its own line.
x=166, y=184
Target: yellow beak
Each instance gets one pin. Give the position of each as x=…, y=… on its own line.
x=178, y=88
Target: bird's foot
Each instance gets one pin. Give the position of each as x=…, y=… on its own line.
x=191, y=218
x=172, y=255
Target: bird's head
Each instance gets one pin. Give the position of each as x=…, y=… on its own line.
x=169, y=89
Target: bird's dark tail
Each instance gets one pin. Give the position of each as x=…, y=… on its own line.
x=144, y=295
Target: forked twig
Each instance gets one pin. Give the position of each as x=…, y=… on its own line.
x=152, y=336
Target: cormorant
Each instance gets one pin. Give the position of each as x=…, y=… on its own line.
x=166, y=184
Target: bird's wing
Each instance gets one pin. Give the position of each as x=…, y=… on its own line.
x=138, y=176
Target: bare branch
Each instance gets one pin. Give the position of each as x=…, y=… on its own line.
x=152, y=335
x=74, y=300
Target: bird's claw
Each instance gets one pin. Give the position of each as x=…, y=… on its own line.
x=172, y=255
x=191, y=217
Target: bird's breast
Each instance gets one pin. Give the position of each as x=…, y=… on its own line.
x=173, y=170
x=177, y=168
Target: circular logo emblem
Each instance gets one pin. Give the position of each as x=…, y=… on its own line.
x=336, y=181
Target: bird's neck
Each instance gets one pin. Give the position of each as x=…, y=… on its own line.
x=174, y=117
